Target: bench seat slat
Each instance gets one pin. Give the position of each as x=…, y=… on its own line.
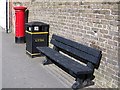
x=65, y=61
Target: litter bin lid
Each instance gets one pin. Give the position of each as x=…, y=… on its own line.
x=36, y=24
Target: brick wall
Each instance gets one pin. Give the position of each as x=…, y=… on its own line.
x=94, y=24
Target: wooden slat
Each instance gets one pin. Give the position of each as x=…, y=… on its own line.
x=82, y=56
x=78, y=46
x=64, y=61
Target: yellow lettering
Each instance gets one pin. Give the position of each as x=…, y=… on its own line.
x=39, y=40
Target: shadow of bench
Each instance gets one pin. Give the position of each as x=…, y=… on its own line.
x=83, y=73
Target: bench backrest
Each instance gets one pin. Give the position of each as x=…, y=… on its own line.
x=78, y=51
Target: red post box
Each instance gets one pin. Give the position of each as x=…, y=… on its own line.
x=20, y=24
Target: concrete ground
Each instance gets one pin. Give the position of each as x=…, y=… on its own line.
x=21, y=71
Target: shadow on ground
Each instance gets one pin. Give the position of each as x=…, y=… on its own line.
x=21, y=71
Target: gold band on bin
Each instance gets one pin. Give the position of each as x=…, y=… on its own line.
x=36, y=32
x=32, y=54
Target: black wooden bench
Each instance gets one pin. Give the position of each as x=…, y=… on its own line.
x=83, y=73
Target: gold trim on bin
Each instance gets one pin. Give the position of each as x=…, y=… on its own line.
x=32, y=54
x=36, y=32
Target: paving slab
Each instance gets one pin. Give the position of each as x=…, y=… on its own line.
x=21, y=71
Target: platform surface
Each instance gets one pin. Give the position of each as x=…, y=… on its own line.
x=21, y=71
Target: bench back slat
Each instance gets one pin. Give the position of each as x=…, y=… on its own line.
x=78, y=46
x=78, y=51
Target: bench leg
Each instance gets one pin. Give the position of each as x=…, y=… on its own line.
x=80, y=83
x=47, y=61
x=77, y=84
x=87, y=83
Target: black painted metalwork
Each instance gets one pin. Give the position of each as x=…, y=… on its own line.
x=7, y=30
x=37, y=34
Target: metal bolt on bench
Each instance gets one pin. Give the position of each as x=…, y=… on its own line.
x=83, y=73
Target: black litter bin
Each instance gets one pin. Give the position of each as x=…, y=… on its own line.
x=37, y=34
